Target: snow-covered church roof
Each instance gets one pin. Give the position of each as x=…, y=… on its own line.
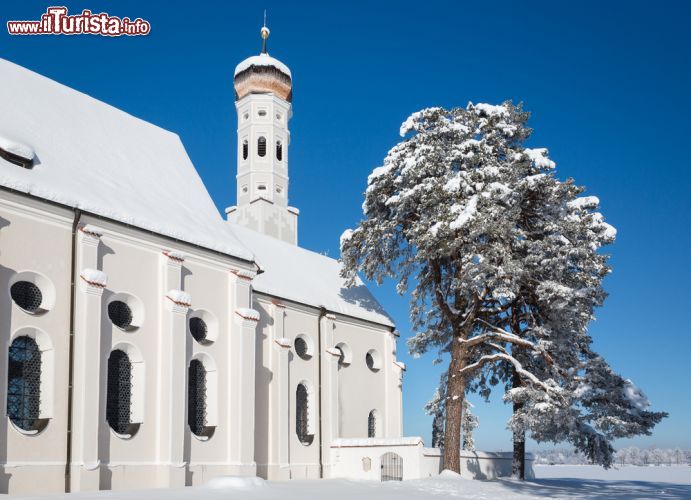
x=89, y=155
x=297, y=274
x=92, y=156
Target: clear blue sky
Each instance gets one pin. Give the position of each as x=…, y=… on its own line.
x=607, y=82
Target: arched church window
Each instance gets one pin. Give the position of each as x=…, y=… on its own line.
x=245, y=149
x=302, y=427
x=279, y=151
x=372, y=424
x=24, y=383
x=196, y=399
x=261, y=146
x=119, y=392
x=26, y=295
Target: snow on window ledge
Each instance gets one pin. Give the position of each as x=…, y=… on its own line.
x=94, y=277
x=179, y=298
x=247, y=313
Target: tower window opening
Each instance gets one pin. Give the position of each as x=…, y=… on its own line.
x=279, y=116
x=261, y=146
x=262, y=112
x=245, y=149
x=261, y=187
x=279, y=150
x=24, y=383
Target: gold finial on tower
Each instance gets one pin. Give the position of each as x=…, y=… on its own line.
x=265, y=34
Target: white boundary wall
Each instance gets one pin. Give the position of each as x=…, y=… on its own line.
x=361, y=459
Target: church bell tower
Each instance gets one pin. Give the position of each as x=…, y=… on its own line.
x=263, y=95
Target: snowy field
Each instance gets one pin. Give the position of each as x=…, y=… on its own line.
x=560, y=481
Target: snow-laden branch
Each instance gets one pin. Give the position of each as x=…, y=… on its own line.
x=489, y=358
x=498, y=333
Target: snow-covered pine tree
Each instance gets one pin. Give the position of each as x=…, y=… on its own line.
x=453, y=207
x=560, y=287
x=440, y=211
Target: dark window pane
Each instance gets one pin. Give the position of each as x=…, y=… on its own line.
x=24, y=383
x=119, y=397
x=301, y=348
x=26, y=295
x=370, y=361
x=371, y=424
x=198, y=330
x=120, y=314
x=196, y=398
x=301, y=415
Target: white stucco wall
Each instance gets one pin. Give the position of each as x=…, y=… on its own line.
x=344, y=408
x=362, y=459
x=36, y=238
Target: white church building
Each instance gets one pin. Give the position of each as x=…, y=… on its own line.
x=147, y=342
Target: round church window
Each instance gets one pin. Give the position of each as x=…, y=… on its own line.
x=302, y=348
x=120, y=314
x=199, y=330
x=26, y=295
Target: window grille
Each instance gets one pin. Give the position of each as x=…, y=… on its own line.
x=302, y=415
x=24, y=383
x=119, y=397
x=279, y=151
x=245, y=149
x=120, y=314
x=196, y=398
x=261, y=146
x=369, y=359
x=372, y=424
x=199, y=330
x=26, y=295
x=301, y=348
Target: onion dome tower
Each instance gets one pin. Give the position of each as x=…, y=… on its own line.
x=263, y=95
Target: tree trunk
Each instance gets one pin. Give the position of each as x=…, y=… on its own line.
x=518, y=462
x=454, y=406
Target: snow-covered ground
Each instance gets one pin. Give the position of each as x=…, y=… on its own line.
x=567, y=481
